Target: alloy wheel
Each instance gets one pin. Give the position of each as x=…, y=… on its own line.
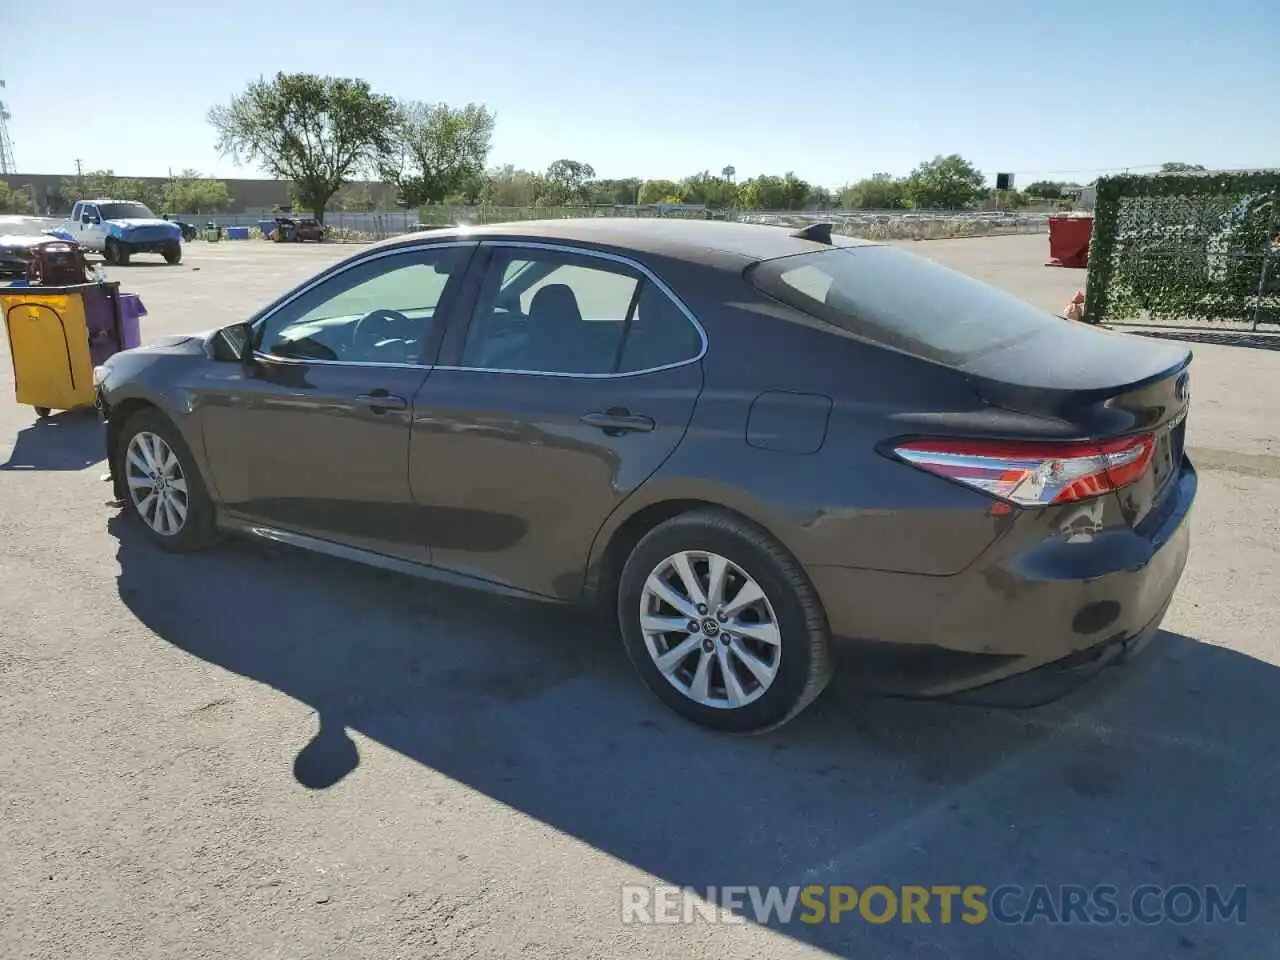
x=710, y=629
x=157, y=485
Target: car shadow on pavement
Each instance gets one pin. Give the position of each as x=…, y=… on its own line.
x=64, y=441
x=1164, y=771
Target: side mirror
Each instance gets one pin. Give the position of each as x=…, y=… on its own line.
x=233, y=344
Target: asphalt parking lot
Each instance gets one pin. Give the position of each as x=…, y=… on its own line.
x=258, y=753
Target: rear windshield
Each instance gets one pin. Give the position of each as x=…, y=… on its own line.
x=899, y=300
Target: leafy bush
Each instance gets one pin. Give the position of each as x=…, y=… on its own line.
x=1186, y=246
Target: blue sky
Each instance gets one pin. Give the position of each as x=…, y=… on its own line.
x=832, y=89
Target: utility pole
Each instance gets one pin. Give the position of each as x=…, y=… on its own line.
x=7, y=163
x=79, y=178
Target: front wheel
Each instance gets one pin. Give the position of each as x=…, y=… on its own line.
x=162, y=483
x=116, y=253
x=173, y=253
x=722, y=623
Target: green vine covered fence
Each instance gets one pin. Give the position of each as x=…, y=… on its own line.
x=1190, y=247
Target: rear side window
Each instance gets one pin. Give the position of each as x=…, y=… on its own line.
x=899, y=300
x=659, y=334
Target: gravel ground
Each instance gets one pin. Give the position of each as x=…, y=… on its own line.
x=259, y=753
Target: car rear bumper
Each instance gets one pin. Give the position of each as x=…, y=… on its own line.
x=1059, y=600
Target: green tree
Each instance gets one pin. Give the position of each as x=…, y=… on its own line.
x=705, y=188
x=567, y=182
x=104, y=185
x=945, y=183
x=317, y=132
x=470, y=190
x=796, y=192
x=880, y=191
x=1045, y=189
x=766, y=192
x=761, y=193
x=819, y=198
x=437, y=151
x=1011, y=199
x=189, y=192
x=14, y=199
x=620, y=192
x=1176, y=167
x=508, y=186
x=660, y=191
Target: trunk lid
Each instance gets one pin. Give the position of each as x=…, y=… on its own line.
x=1103, y=384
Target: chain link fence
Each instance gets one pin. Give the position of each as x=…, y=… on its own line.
x=872, y=224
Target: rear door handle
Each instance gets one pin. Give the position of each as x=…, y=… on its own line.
x=380, y=401
x=616, y=422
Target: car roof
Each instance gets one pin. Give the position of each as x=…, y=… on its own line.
x=699, y=241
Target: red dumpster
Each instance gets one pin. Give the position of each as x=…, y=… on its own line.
x=1069, y=241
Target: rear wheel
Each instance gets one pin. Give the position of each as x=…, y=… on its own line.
x=162, y=483
x=722, y=623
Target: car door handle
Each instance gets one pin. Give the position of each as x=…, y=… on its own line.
x=380, y=401
x=616, y=422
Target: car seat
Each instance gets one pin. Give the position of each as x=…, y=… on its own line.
x=556, y=342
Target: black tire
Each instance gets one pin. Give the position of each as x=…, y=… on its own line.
x=198, y=530
x=804, y=665
x=173, y=253
x=116, y=252
x=43, y=412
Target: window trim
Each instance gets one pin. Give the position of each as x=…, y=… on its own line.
x=569, y=248
x=272, y=309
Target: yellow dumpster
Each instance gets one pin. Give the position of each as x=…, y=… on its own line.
x=56, y=335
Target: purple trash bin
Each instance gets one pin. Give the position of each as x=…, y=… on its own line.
x=131, y=311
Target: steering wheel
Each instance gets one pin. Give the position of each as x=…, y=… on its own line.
x=380, y=324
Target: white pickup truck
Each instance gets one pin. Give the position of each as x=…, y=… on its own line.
x=120, y=228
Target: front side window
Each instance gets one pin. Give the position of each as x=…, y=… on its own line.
x=382, y=310
x=88, y=212
x=550, y=312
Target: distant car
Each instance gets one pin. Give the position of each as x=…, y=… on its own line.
x=298, y=229
x=752, y=444
x=189, y=230
x=17, y=252
x=119, y=229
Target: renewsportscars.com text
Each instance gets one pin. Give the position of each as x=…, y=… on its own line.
x=938, y=903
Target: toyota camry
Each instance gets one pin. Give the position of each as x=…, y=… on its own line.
x=752, y=445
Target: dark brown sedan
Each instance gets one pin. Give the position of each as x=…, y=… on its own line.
x=753, y=444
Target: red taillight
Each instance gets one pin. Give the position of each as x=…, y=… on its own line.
x=1034, y=474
